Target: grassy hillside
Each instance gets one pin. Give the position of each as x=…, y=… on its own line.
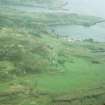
x=38, y=68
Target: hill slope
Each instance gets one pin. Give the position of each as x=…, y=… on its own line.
x=38, y=68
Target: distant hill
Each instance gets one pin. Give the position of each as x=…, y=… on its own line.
x=36, y=3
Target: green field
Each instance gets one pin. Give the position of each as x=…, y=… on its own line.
x=39, y=68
